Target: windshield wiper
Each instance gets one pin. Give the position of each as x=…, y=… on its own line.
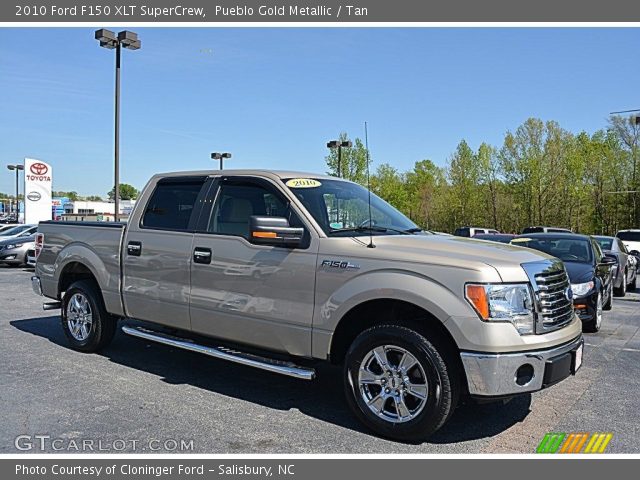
x=413, y=230
x=367, y=228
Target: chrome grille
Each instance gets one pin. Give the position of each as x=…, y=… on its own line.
x=554, y=308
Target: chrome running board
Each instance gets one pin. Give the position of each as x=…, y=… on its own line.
x=284, y=368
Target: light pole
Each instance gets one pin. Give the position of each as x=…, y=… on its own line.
x=220, y=157
x=130, y=41
x=17, y=167
x=339, y=144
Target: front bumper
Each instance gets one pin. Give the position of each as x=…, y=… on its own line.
x=507, y=374
x=585, y=307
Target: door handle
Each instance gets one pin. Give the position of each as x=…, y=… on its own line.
x=134, y=248
x=202, y=255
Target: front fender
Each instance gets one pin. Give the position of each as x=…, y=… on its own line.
x=409, y=286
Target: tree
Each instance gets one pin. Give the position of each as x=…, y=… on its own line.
x=388, y=184
x=489, y=175
x=464, y=175
x=628, y=132
x=354, y=161
x=73, y=196
x=127, y=192
x=425, y=184
x=94, y=198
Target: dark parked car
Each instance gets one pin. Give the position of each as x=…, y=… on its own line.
x=495, y=237
x=624, y=272
x=590, y=272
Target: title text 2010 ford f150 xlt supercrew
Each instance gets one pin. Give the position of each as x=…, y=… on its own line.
x=280, y=270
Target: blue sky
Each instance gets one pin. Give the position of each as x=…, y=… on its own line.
x=274, y=96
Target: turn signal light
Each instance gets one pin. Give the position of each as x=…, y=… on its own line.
x=477, y=295
x=265, y=234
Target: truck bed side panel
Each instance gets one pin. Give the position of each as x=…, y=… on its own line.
x=93, y=245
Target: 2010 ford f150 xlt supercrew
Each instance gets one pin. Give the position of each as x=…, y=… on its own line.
x=281, y=270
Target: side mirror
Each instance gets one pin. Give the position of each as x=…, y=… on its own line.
x=635, y=253
x=609, y=260
x=274, y=231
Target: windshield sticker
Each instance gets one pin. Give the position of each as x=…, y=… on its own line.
x=303, y=183
x=336, y=225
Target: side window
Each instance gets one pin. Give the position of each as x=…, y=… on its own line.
x=171, y=204
x=237, y=201
x=621, y=246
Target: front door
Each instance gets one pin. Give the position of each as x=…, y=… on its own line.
x=246, y=293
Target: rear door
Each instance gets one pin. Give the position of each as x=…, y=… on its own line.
x=254, y=294
x=157, y=252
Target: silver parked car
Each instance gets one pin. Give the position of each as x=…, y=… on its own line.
x=18, y=230
x=625, y=271
x=13, y=251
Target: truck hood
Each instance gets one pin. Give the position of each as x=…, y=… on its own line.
x=458, y=251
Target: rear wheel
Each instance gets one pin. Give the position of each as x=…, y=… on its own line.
x=85, y=321
x=621, y=291
x=399, y=384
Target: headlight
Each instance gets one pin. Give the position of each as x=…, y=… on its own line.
x=14, y=245
x=581, y=289
x=503, y=302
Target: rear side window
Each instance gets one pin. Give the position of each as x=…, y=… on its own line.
x=629, y=236
x=171, y=204
x=462, y=232
x=532, y=230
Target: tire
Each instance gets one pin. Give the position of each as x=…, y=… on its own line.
x=621, y=291
x=634, y=283
x=416, y=418
x=608, y=305
x=83, y=307
x=593, y=325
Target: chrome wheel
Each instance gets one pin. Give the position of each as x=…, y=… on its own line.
x=79, y=317
x=599, y=311
x=393, y=384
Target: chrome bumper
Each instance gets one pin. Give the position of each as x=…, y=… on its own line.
x=36, y=286
x=496, y=375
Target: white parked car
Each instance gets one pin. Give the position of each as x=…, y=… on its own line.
x=631, y=239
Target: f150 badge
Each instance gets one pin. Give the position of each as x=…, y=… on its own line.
x=340, y=264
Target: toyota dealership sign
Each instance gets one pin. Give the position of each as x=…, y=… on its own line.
x=37, y=191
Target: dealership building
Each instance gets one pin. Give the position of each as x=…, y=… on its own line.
x=84, y=210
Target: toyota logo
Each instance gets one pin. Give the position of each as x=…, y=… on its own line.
x=34, y=196
x=39, y=168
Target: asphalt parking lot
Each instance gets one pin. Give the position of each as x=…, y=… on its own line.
x=143, y=397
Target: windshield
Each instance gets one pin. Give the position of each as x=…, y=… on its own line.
x=14, y=230
x=629, y=236
x=341, y=208
x=566, y=249
x=605, y=242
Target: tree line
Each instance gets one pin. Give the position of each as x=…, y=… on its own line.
x=541, y=174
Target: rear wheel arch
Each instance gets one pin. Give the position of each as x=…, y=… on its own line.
x=73, y=272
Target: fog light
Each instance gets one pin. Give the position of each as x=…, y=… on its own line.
x=524, y=374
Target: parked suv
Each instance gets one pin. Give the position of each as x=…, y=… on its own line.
x=473, y=231
x=541, y=229
x=631, y=239
x=282, y=270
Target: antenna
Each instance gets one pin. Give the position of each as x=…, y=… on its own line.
x=366, y=146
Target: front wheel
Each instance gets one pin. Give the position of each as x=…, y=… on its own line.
x=85, y=321
x=398, y=383
x=593, y=325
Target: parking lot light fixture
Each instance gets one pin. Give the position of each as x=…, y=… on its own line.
x=220, y=157
x=333, y=144
x=110, y=40
x=17, y=167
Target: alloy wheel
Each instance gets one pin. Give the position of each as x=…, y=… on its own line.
x=79, y=317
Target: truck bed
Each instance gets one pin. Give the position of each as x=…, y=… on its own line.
x=97, y=245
